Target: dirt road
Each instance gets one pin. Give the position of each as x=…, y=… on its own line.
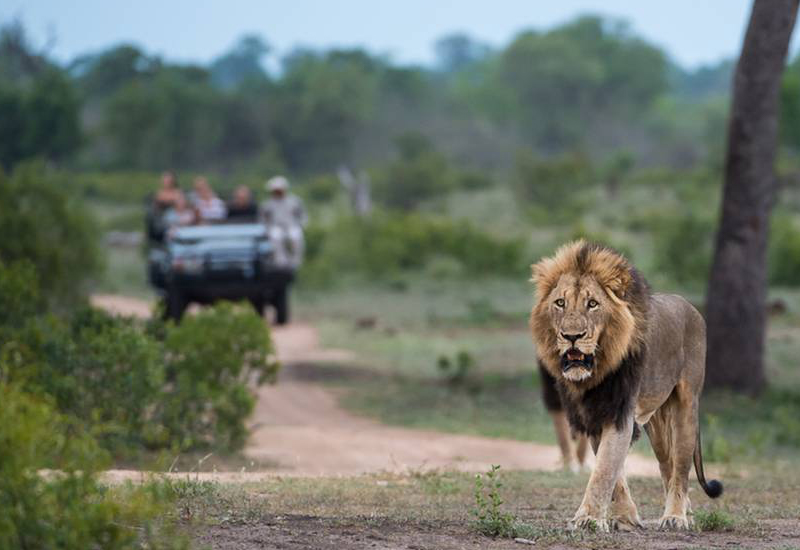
x=299, y=429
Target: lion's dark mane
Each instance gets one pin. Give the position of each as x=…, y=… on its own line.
x=611, y=401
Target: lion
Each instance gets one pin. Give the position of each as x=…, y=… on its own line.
x=622, y=358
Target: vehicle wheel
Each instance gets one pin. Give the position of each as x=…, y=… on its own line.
x=280, y=301
x=260, y=305
x=176, y=304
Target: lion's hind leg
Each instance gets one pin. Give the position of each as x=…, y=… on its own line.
x=660, y=436
x=682, y=425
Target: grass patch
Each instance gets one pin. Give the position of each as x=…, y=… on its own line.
x=493, y=405
x=713, y=520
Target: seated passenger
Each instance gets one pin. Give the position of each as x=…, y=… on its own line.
x=208, y=205
x=168, y=194
x=180, y=214
x=242, y=208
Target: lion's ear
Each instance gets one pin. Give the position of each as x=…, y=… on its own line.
x=621, y=282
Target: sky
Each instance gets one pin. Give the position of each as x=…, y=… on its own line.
x=693, y=32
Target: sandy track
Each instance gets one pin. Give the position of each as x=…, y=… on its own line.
x=299, y=429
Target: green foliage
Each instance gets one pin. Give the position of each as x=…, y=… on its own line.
x=210, y=360
x=456, y=371
x=39, y=120
x=66, y=508
x=420, y=173
x=387, y=243
x=321, y=103
x=240, y=64
x=586, y=71
x=173, y=118
x=19, y=295
x=684, y=244
x=162, y=386
x=41, y=225
x=713, y=520
x=490, y=520
x=784, y=252
x=102, y=370
x=555, y=187
x=321, y=189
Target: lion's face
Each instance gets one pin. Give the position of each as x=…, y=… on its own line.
x=588, y=313
x=578, y=309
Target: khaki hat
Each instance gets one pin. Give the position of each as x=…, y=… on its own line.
x=278, y=183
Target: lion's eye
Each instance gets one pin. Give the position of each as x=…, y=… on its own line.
x=560, y=302
x=592, y=304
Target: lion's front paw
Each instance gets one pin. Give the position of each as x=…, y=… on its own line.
x=674, y=523
x=588, y=523
x=628, y=522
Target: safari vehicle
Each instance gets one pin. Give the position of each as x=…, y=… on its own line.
x=227, y=261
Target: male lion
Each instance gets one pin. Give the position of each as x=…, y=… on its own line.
x=622, y=357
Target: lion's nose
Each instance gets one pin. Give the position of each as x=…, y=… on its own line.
x=573, y=337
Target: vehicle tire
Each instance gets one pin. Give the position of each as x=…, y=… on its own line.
x=260, y=305
x=280, y=301
x=175, y=305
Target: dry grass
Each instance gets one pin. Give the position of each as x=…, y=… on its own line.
x=435, y=509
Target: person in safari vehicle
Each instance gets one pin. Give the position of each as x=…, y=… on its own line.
x=285, y=217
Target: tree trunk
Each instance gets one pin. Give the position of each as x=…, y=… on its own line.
x=736, y=313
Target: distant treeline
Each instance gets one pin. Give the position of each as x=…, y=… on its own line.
x=590, y=85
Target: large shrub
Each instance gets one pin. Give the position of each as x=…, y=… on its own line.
x=39, y=223
x=211, y=358
x=102, y=370
x=135, y=387
x=66, y=508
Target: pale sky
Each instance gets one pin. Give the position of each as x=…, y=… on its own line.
x=693, y=32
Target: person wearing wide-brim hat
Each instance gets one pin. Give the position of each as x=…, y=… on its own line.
x=285, y=217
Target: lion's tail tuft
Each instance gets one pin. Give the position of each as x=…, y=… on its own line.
x=713, y=488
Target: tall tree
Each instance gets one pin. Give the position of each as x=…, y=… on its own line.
x=737, y=289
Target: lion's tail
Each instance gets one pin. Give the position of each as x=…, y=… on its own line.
x=713, y=488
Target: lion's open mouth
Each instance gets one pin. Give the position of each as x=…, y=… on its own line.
x=574, y=358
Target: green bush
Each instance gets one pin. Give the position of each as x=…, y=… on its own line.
x=40, y=224
x=66, y=508
x=135, y=387
x=387, y=243
x=100, y=369
x=211, y=358
x=20, y=298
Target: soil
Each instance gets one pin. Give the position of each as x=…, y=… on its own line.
x=304, y=532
